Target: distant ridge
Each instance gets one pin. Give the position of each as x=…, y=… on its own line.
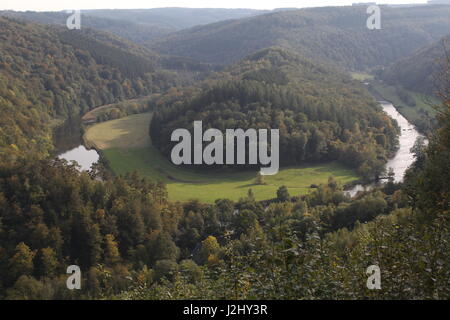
x=334, y=34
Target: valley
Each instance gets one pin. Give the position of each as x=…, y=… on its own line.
x=125, y=145
x=359, y=124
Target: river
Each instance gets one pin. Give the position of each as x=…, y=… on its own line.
x=68, y=141
x=84, y=157
x=403, y=157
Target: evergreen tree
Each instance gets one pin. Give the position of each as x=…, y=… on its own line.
x=283, y=194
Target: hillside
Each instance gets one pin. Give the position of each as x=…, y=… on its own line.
x=174, y=18
x=334, y=34
x=322, y=114
x=419, y=71
x=139, y=25
x=412, y=83
x=51, y=73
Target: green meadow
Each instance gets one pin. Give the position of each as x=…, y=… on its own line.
x=361, y=76
x=126, y=145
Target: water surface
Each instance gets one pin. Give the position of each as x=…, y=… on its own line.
x=84, y=157
x=68, y=141
x=403, y=157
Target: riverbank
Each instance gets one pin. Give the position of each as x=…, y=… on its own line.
x=419, y=111
x=403, y=157
x=126, y=146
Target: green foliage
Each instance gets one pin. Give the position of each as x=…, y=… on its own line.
x=139, y=25
x=334, y=34
x=416, y=84
x=414, y=106
x=26, y=288
x=48, y=73
x=412, y=258
x=283, y=194
x=321, y=113
x=418, y=71
x=133, y=243
x=210, y=250
x=21, y=263
x=130, y=152
x=427, y=181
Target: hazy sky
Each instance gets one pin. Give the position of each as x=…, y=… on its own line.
x=56, y=5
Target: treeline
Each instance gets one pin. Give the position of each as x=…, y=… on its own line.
x=52, y=216
x=277, y=265
x=321, y=114
x=131, y=243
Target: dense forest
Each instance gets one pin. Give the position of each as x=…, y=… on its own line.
x=321, y=113
x=141, y=26
x=334, y=34
x=131, y=242
x=49, y=73
x=419, y=71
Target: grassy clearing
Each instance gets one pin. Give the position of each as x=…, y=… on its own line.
x=127, y=147
x=128, y=132
x=361, y=76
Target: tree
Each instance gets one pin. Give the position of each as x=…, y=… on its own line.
x=47, y=262
x=283, y=194
x=391, y=175
x=112, y=255
x=250, y=195
x=165, y=268
x=26, y=288
x=260, y=180
x=390, y=185
x=162, y=247
x=210, y=250
x=22, y=261
x=190, y=269
x=427, y=180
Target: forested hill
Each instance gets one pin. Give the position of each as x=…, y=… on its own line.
x=128, y=29
x=419, y=71
x=139, y=25
x=322, y=114
x=51, y=72
x=174, y=18
x=334, y=34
